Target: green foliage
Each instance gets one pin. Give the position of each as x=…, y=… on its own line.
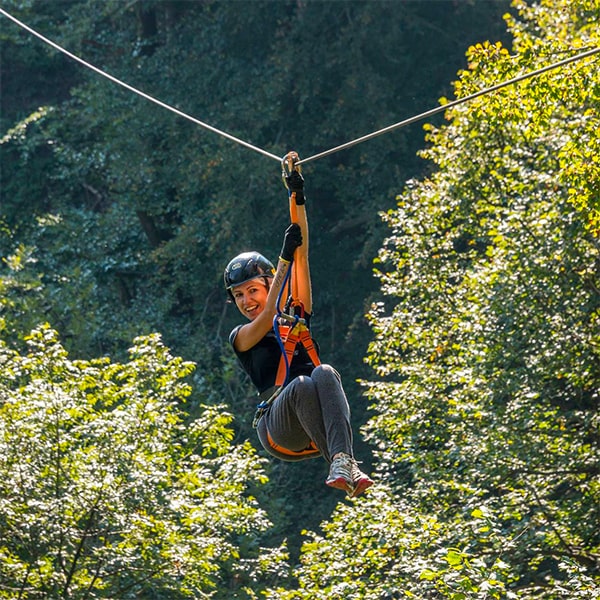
x=108, y=493
x=381, y=547
x=119, y=219
x=486, y=347
x=130, y=213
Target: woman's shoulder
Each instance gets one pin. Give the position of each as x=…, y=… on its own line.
x=234, y=332
x=268, y=336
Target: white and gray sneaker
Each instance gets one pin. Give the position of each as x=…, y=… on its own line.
x=344, y=474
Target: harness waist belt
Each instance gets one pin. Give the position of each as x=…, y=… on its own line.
x=310, y=449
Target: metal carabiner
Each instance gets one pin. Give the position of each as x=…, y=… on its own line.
x=288, y=166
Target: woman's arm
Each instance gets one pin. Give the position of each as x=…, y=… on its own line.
x=300, y=268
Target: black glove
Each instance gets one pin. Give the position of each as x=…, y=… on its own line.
x=291, y=240
x=295, y=183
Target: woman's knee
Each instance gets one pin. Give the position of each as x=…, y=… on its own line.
x=303, y=388
x=325, y=373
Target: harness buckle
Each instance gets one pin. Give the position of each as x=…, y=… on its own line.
x=261, y=409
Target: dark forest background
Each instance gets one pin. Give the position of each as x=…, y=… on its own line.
x=131, y=213
x=117, y=218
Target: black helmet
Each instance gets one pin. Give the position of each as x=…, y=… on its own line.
x=247, y=266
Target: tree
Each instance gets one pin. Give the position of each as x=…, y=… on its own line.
x=151, y=207
x=130, y=213
x=486, y=346
x=107, y=492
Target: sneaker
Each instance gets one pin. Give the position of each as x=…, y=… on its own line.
x=360, y=480
x=344, y=474
x=340, y=473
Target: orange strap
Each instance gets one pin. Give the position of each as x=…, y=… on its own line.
x=293, y=212
x=311, y=449
x=295, y=334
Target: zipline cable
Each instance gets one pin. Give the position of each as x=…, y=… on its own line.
x=349, y=144
x=138, y=92
x=444, y=107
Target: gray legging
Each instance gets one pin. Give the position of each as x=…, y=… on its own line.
x=308, y=409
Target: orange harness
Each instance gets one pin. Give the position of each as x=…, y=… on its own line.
x=310, y=449
x=290, y=335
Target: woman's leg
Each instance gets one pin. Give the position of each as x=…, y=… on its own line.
x=335, y=411
x=312, y=408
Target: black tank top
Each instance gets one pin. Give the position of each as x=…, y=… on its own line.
x=262, y=360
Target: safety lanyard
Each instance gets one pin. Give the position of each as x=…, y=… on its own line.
x=295, y=331
x=290, y=329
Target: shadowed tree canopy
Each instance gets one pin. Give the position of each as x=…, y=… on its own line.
x=117, y=218
x=486, y=355
x=120, y=216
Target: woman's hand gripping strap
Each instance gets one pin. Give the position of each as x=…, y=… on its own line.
x=291, y=173
x=293, y=181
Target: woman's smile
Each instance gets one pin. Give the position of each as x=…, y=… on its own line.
x=250, y=298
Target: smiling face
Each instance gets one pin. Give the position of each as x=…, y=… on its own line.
x=250, y=297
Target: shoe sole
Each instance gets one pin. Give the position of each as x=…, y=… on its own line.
x=361, y=485
x=339, y=484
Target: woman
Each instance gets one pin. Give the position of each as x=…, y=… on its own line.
x=309, y=416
